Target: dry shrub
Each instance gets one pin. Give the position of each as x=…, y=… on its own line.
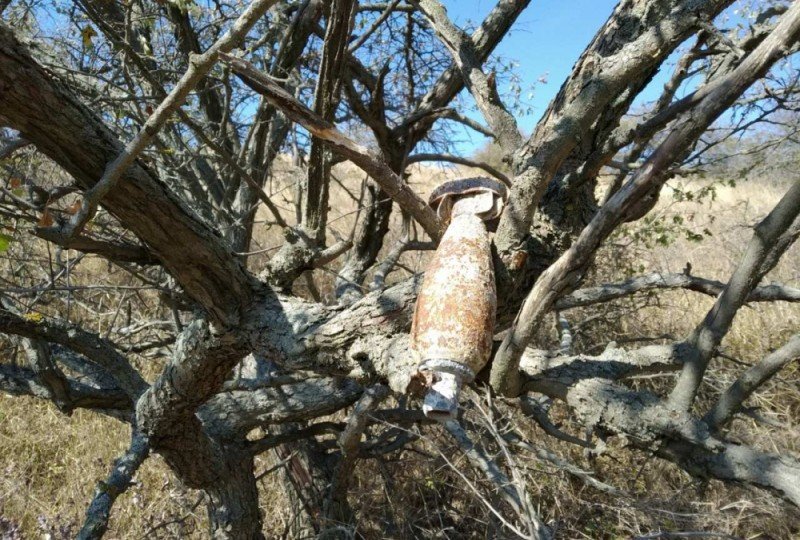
x=51, y=462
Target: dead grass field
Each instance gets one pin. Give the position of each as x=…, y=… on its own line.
x=50, y=462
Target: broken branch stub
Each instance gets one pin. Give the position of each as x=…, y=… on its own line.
x=453, y=325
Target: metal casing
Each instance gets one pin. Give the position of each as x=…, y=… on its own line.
x=455, y=312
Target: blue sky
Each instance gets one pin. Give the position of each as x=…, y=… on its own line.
x=547, y=39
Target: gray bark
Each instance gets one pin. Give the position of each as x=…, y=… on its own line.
x=624, y=54
x=772, y=236
x=118, y=480
x=197, y=416
x=69, y=133
x=563, y=276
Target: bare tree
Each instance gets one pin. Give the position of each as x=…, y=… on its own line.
x=147, y=133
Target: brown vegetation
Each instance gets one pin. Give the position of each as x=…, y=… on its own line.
x=48, y=458
x=214, y=236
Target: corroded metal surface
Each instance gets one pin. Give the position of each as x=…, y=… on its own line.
x=443, y=197
x=455, y=311
x=453, y=326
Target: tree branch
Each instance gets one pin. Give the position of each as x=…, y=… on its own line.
x=165, y=413
x=373, y=165
x=76, y=138
x=774, y=292
x=610, y=65
x=118, y=481
x=417, y=158
x=771, y=237
x=48, y=374
x=730, y=402
x=554, y=375
x=385, y=267
x=349, y=443
x=320, y=428
x=20, y=381
x=567, y=271
x=651, y=425
x=389, y=9
x=481, y=461
x=483, y=41
x=96, y=349
x=314, y=194
x=199, y=66
x=502, y=123
x=122, y=252
x=232, y=414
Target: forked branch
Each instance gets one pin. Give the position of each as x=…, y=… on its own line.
x=750, y=381
x=771, y=237
x=481, y=86
x=563, y=275
x=199, y=66
x=373, y=165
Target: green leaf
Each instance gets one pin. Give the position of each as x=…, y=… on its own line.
x=5, y=242
x=87, y=35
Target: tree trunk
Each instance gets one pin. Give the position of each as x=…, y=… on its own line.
x=233, y=510
x=307, y=477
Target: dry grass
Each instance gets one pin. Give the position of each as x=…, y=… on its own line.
x=50, y=462
x=343, y=211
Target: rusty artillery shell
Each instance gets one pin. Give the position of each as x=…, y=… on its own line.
x=455, y=312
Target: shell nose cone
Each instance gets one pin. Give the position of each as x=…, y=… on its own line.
x=441, y=401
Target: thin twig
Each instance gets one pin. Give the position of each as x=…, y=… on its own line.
x=373, y=165
x=199, y=66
